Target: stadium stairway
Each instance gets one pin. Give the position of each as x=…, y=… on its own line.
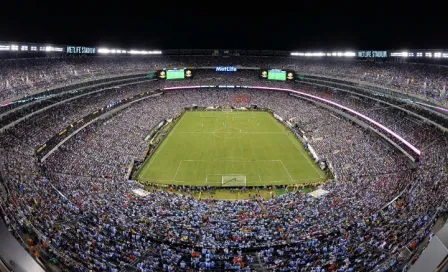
x=263, y=208
x=257, y=265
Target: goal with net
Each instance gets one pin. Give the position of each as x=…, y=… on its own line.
x=233, y=181
x=226, y=110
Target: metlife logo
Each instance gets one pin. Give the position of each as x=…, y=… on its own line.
x=226, y=69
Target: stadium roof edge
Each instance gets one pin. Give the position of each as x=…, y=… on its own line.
x=11, y=48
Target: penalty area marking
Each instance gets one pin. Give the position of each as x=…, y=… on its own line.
x=229, y=159
x=208, y=115
x=180, y=163
x=286, y=170
x=298, y=147
x=243, y=132
x=237, y=161
x=168, y=182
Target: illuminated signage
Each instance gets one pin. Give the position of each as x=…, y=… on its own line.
x=226, y=69
x=80, y=50
x=372, y=54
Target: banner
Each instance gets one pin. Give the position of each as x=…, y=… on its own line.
x=278, y=117
x=313, y=153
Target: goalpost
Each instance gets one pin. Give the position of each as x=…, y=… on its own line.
x=233, y=181
x=226, y=110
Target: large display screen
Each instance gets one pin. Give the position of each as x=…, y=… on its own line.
x=276, y=75
x=175, y=74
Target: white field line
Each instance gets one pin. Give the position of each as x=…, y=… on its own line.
x=305, y=155
x=213, y=132
x=198, y=182
x=177, y=170
x=208, y=115
x=287, y=171
x=299, y=180
x=229, y=158
x=211, y=116
x=163, y=144
x=221, y=160
x=164, y=180
x=226, y=174
x=173, y=181
x=157, y=153
x=243, y=161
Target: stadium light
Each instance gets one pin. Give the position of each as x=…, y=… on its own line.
x=103, y=50
x=142, y=52
x=403, y=54
x=53, y=49
x=131, y=52
x=310, y=54
x=109, y=51
x=323, y=54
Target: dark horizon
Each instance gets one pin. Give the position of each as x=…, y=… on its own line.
x=285, y=30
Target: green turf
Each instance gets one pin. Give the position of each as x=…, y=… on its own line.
x=252, y=146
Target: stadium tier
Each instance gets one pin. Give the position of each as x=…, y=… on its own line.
x=223, y=164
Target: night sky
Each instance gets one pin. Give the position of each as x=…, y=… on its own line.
x=280, y=25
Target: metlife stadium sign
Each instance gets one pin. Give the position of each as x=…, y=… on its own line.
x=80, y=50
x=372, y=54
x=226, y=69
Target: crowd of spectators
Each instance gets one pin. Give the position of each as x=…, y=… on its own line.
x=85, y=212
x=22, y=77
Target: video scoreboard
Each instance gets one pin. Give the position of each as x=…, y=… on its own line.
x=175, y=74
x=277, y=74
x=170, y=74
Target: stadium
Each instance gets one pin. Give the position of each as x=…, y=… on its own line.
x=115, y=159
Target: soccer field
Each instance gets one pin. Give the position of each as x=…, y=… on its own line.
x=230, y=149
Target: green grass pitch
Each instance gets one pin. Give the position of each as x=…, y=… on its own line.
x=234, y=148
